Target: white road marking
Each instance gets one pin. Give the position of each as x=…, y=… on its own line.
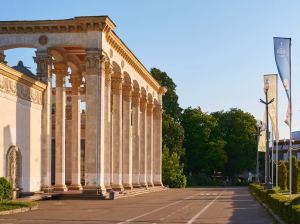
x=129, y=220
x=199, y=213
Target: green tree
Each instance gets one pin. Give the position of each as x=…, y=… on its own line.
x=204, y=150
x=172, y=170
x=170, y=99
x=282, y=172
x=237, y=128
x=172, y=135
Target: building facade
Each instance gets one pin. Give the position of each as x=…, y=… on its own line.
x=120, y=127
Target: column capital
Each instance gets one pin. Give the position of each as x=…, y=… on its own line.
x=108, y=74
x=95, y=61
x=127, y=91
x=157, y=112
x=43, y=61
x=136, y=94
x=116, y=82
x=162, y=90
x=143, y=103
x=149, y=108
x=76, y=81
x=61, y=71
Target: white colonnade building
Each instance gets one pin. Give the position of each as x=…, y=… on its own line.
x=115, y=143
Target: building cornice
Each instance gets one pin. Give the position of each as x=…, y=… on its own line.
x=22, y=78
x=117, y=44
x=76, y=25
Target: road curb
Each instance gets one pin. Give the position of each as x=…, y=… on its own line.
x=18, y=210
x=273, y=214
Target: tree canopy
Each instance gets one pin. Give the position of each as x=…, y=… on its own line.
x=237, y=129
x=204, y=150
x=170, y=99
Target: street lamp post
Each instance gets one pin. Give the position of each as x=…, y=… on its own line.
x=268, y=184
x=258, y=125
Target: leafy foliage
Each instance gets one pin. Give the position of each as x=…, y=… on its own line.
x=282, y=172
x=172, y=135
x=236, y=128
x=295, y=181
x=5, y=189
x=172, y=170
x=170, y=99
x=204, y=151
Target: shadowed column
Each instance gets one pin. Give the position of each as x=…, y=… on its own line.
x=150, y=144
x=117, y=80
x=127, y=150
x=43, y=60
x=61, y=71
x=107, y=129
x=157, y=141
x=94, y=147
x=136, y=138
x=143, y=143
x=76, y=81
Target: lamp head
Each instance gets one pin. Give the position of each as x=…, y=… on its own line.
x=266, y=86
x=258, y=123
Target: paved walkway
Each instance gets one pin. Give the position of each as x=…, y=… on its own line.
x=190, y=205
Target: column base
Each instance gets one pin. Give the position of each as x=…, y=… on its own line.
x=136, y=185
x=158, y=184
x=94, y=190
x=48, y=189
x=75, y=187
x=60, y=188
x=144, y=185
x=150, y=184
x=117, y=187
x=108, y=188
x=127, y=186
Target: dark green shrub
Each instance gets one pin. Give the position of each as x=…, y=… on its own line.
x=216, y=182
x=7, y=189
x=198, y=180
x=282, y=172
x=287, y=164
x=238, y=183
x=295, y=185
x=1, y=192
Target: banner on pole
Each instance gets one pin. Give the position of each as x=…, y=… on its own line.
x=282, y=51
x=273, y=93
x=263, y=138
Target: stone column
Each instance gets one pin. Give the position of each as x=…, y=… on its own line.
x=43, y=60
x=150, y=144
x=157, y=145
x=127, y=150
x=143, y=141
x=68, y=147
x=2, y=57
x=94, y=143
x=117, y=80
x=76, y=81
x=61, y=71
x=107, y=129
x=136, y=138
x=285, y=152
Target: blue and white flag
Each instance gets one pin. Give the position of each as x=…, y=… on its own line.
x=282, y=51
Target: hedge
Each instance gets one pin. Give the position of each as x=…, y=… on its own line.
x=5, y=189
x=287, y=209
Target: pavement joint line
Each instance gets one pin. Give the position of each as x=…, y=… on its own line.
x=129, y=220
x=203, y=210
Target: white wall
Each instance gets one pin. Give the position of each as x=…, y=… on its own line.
x=20, y=125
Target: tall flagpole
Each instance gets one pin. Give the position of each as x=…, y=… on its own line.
x=291, y=119
x=277, y=136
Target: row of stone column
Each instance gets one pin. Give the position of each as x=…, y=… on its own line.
x=123, y=129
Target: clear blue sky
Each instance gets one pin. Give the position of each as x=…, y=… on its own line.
x=215, y=51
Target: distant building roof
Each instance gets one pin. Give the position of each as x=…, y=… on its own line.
x=21, y=68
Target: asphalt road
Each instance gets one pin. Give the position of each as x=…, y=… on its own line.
x=190, y=205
